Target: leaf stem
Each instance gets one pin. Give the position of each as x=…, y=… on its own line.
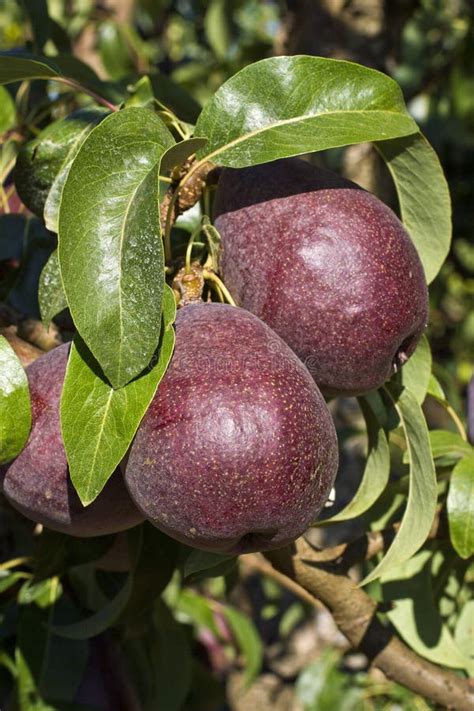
x=457, y=421
x=189, y=249
x=84, y=90
x=214, y=279
x=15, y=562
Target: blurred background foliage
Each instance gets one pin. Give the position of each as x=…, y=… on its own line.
x=428, y=47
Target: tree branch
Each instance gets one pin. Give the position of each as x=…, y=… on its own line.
x=355, y=615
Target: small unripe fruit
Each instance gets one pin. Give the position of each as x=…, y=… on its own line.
x=327, y=265
x=237, y=451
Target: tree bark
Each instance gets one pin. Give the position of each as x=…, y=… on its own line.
x=355, y=614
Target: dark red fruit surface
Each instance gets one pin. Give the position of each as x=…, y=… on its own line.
x=37, y=482
x=237, y=451
x=327, y=265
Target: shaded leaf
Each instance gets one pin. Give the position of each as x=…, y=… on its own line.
x=218, y=28
x=376, y=472
x=174, y=97
x=98, y=423
x=37, y=248
x=248, y=640
x=110, y=249
x=424, y=199
x=15, y=407
x=40, y=160
x=51, y=296
x=415, y=616
x=416, y=373
x=202, y=564
x=12, y=231
x=422, y=494
x=178, y=153
x=107, y=615
x=171, y=659
x=460, y=505
x=14, y=68
x=287, y=106
x=449, y=444
x=37, y=12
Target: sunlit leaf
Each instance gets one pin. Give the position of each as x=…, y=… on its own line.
x=15, y=407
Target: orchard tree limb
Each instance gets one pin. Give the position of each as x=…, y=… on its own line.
x=355, y=614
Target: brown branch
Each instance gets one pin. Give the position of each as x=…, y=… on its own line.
x=355, y=614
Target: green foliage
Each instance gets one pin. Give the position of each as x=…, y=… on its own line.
x=268, y=126
x=15, y=410
x=98, y=177
x=98, y=423
x=112, y=284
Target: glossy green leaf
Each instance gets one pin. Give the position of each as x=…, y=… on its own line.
x=15, y=68
x=423, y=194
x=15, y=407
x=376, y=472
x=287, y=106
x=422, y=494
x=98, y=423
x=435, y=389
x=63, y=146
x=248, y=641
x=51, y=296
x=414, y=614
x=460, y=505
x=416, y=373
x=7, y=110
x=107, y=615
x=110, y=249
x=41, y=160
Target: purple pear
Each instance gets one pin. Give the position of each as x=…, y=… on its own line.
x=37, y=482
x=327, y=265
x=237, y=451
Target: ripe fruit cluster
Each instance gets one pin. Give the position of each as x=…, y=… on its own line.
x=238, y=451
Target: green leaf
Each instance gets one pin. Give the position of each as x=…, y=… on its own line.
x=449, y=444
x=37, y=12
x=435, y=389
x=424, y=199
x=70, y=134
x=416, y=373
x=14, y=68
x=15, y=407
x=287, y=106
x=178, y=153
x=460, y=505
x=376, y=472
x=201, y=564
x=248, y=640
x=218, y=28
x=98, y=423
x=414, y=614
x=107, y=615
x=110, y=249
x=196, y=609
x=174, y=97
x=171, y=661
x=51, y=296
x=44, y=653
x=422, y=494
x=40, y=160
x=7, y=110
